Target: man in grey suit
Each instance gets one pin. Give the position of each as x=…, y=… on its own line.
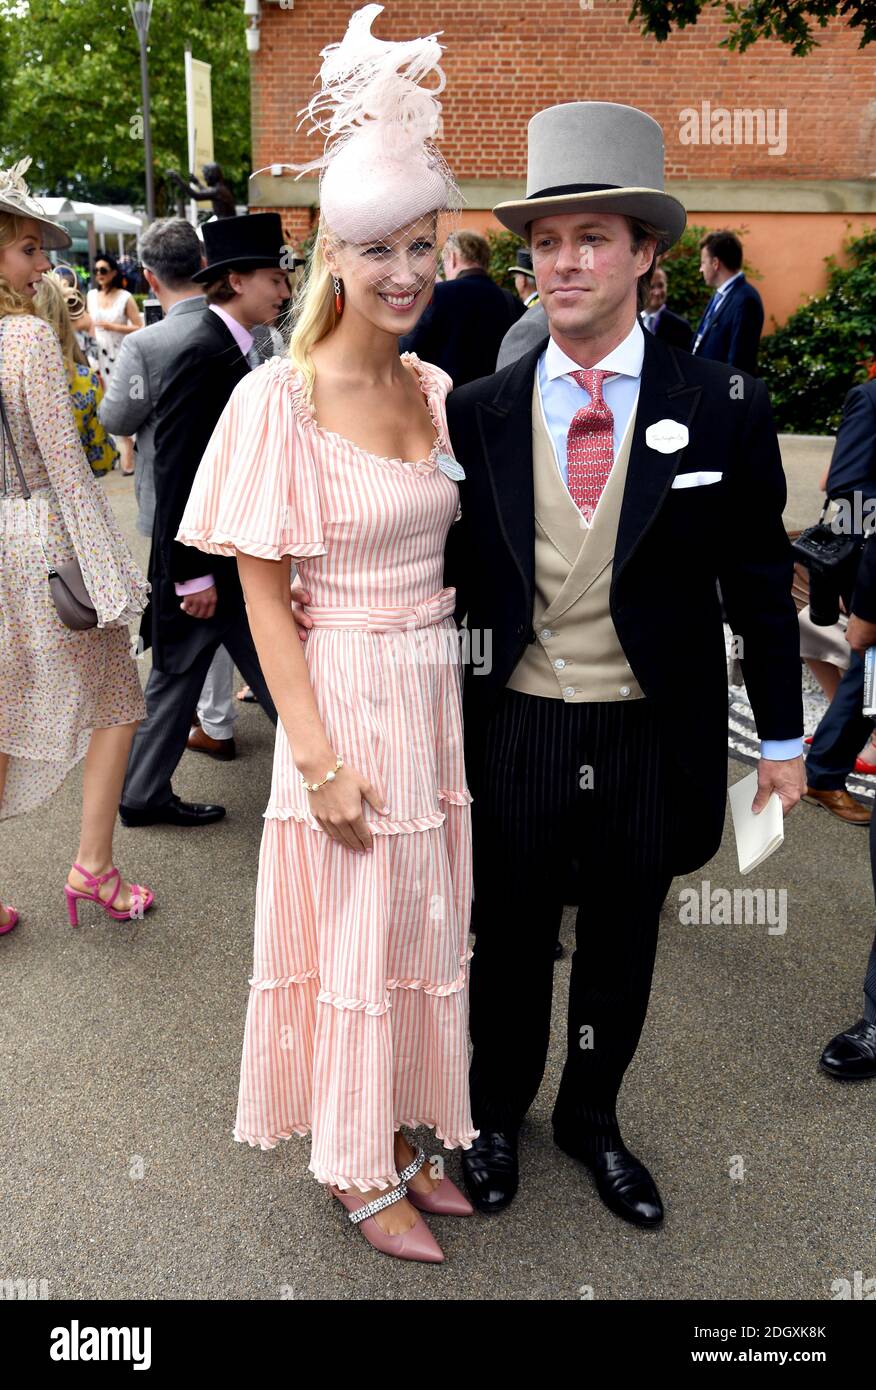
x=529, y=330
x=171, y=252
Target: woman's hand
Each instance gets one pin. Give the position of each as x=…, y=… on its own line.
x=337, y=807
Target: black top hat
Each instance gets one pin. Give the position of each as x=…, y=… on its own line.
x=522, y=265
x=243, y=243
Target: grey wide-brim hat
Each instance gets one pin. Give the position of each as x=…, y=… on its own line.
x=15, y=198
x=596, y=155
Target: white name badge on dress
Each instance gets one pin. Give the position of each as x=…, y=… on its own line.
x=667, y=436
x=448, y=465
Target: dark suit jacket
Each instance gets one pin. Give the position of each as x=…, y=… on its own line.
x=463, y=327
x=853, y=463
x=733, y=334
x=863, y=603
x=195, y=389
x=673, y=329
x=673, y=544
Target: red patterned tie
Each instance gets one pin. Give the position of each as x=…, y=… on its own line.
x=590, y=443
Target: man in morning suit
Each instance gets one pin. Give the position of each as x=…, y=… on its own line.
x=730, y=329
x=191, y=612
x=658, y=318
x=844, y=729
x=611, y=481
x=851, y=1056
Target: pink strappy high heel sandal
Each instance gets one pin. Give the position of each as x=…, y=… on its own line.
x=416, y=1244
x=445, y=1200
x=141, y=898
x=13, y=919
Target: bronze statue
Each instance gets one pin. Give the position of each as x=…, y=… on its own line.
x=216, y=189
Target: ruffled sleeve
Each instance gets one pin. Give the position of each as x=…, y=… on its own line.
x=116, y=586
x=256, y=489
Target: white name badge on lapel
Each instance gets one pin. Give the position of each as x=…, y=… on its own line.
x=448, y=465
x=667, y=436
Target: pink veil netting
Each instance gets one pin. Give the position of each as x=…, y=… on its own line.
x=380, y=169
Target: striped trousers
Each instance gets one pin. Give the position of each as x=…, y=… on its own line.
x=572, y=803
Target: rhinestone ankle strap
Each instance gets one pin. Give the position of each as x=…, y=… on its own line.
x=378, y=1204
x=414, y=1166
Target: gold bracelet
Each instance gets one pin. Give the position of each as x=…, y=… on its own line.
x=329, y=777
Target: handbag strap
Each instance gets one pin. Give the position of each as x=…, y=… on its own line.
x=6, y=429
x=6, y=433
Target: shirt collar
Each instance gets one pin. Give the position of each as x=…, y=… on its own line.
x=625, y=359
x=198, y=299
x=722, y=289
x=242, y=336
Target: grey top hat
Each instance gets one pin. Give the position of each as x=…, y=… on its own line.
x=596, y=155
x=15, y=197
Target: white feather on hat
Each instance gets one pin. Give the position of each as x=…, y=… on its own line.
x=15, y=198
x=379, y=168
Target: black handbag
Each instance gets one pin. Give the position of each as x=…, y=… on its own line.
x=832, y=561
x=821, y=547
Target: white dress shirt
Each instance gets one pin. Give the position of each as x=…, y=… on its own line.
x=561, y=399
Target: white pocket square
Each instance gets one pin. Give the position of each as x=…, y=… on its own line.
x=696, y=479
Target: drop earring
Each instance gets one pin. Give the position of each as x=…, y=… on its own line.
x=339, y=295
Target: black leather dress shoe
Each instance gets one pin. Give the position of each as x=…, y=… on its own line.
x=851, y=1056
x=490, y=1170
x=623, y=1182
x=173, y=812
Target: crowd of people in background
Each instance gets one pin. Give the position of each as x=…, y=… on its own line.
x=86, y=383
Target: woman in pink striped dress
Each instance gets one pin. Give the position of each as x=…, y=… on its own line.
x=337, y=458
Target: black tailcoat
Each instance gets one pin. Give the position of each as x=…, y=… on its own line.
x=673, y=546
x=195, y=391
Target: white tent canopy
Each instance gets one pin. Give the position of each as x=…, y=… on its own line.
x=98, y=221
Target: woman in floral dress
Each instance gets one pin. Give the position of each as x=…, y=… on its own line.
x=65, y=694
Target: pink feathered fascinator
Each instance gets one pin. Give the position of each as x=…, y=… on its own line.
x=380, y=169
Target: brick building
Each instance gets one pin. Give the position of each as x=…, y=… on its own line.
x=783, y=148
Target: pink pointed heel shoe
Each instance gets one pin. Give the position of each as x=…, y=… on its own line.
x=13, y=919
x=416, y=1244
x=445, y=1200
x=141, y=898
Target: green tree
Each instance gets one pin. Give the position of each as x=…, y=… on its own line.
x=70, y=94
x=789, y=21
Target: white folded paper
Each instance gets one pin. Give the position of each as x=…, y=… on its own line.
x=757, y=836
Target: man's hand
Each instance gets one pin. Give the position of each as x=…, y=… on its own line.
x=860, y=635
x=200, y=605
x=786, y=776
x=300, y=596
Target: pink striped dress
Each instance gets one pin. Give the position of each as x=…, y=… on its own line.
x=357, y=1016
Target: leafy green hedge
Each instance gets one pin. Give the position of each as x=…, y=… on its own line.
x=826, y=347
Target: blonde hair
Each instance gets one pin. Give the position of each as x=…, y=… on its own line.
x=11, y=302
x=314, y=310
x=51, y=304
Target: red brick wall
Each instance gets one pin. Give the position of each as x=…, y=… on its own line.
x=506, y=61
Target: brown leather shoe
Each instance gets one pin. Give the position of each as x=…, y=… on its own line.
x=221, y=748
x=840, y=803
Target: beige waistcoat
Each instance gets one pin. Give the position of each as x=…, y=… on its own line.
x=576, y=656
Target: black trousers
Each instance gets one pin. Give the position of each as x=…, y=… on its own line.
x=160, y=741
x=870, y=973
x=562, y=789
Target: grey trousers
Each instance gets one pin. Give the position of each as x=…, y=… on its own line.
x=170, y=703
